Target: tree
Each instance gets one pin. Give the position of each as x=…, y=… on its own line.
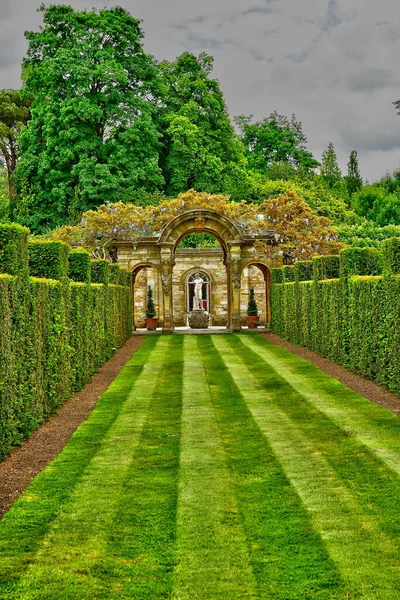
x=252, y=310
x=92, y=134
x=150, y=308
x=200, y=147
x=353, y=178
x=330, y=170
x=275, y=141
x=14, y=115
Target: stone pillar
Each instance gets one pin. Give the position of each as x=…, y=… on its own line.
x=235, y=278
x=167, y=263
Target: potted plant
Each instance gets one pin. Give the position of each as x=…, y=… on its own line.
x=151, y=319
x=252, y=311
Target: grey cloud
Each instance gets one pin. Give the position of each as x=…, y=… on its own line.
x=369, y=80
x=372, y=141
x=332, y=17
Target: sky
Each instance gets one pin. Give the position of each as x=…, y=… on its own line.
x=333, y=63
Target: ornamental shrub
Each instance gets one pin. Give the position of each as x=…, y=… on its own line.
x=391, y=256
x=288, y=273
x=150, y=308
x=100, y=271
x=326, y=267
x=277, y=275
x=252, y=310
x=79, y=266
x=115, y=270
x=303, y=270
x=48, y=259
x=360, y=261
x=13, y=249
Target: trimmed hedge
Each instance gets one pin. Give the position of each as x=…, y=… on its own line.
x=360, y=261
x=100, y=271
x=303, y=270
x=326, y=267
x=13, y=249
x=114, y=274
x=288, y=273
x=391, y=256
x=55, y=335
x=48, y=259
x=352, y=320
x=79, y=266
x=277, y=275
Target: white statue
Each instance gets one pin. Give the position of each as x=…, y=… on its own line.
x=198, y=292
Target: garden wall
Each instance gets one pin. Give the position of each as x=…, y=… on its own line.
x=54, y=333
x=353, y=319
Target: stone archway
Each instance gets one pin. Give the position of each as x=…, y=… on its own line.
x=238, y=249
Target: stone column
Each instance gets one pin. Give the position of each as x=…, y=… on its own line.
x=235, y=279
x=167, y=263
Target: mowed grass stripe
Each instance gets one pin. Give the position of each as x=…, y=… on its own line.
x=376, y=427
x=288, y=557
x=365, y=558
x=76, y=540
x=212, y=555
x=375, y=485
x=25, y=525
x=141, y=547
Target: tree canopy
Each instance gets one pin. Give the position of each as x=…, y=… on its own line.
x=275, y=140
x=92, y=134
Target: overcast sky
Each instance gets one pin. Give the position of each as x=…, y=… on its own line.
x=334, y=63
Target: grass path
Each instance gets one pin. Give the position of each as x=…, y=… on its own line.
x=214, y=467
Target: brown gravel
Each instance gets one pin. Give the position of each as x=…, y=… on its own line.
x=27, y=460
x=369, y=389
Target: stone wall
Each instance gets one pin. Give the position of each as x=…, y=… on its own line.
x=209, y=261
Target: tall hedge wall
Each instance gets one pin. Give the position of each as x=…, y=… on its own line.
x=54, y=333
x=354, y=319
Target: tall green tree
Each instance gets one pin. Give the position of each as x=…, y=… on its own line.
x=14, y=115
x=276, y=140
x=200, y=147
x=330, y=170
x=92, y=136
x=353, y=178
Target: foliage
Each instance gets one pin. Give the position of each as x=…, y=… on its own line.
x=150, y=308
x=79, y=265
x=391, y=256
x=199, y=240
x=114, y=273
x=360, y=261
x=326, y=267
x=200, y=148
x=47, y=259
x=321, y=199
x=303, y=270
x=367, y=234
x=13, y=249
x=100, y=271
x=377, y=204
x=288, y=273
x=353, y=178
x=330, y=170
x=92, y=133
x=275, y=140
x=298, y=231
x=277, y=275
x=14, y=115
x=252, y=310
x=4, y=196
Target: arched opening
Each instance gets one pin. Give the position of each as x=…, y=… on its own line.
x=203, y=253
x=257, y=276
x=143, y=276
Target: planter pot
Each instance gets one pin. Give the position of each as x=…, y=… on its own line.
x=252, y=322
x=151, y=323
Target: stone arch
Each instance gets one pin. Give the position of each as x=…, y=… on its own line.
x=266, y=271
x=200, y=221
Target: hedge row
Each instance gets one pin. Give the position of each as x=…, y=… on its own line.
x=353, y=320
x=54, y=336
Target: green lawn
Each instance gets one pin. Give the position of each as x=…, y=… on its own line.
x=214, y=467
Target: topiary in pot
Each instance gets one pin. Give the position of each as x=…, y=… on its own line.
x=151, y=319
x=252, y=311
